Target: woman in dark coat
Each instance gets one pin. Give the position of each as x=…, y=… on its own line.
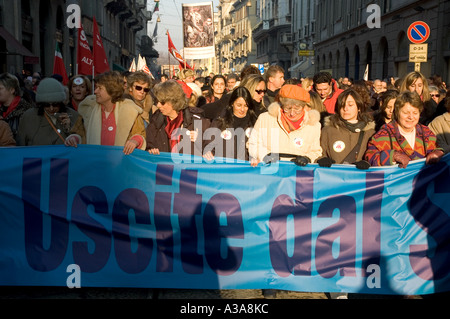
x=175, y=127
x=234, y=127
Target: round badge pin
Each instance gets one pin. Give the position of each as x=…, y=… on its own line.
x=226, y=135
x=298, y=142
x=338, y=146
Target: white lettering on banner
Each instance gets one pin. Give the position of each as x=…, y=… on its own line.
x=374, y=279
x=374, y=20
x=74, y=19
x=74, y=279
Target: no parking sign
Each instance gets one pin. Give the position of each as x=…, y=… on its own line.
x=418, y=32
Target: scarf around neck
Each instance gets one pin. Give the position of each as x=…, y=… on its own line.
x=170, y=128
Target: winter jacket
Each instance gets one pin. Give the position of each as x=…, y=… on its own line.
x=441, y=128
x=35, y=129
x=128, y=121
x=382, y=146
x=13, y=118
x=337, y=141
x=6, y=136
x=192, y=120
x=269, y=135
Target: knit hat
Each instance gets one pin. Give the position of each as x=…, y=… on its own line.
x=292, y=91
x=50, y=90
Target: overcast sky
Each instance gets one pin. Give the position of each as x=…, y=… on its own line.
x=171, y=19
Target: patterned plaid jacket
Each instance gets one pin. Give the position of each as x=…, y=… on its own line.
x=381, y=147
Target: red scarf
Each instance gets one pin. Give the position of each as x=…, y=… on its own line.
x=170, y=127
x=74, y=105
x=289, y=125
x=12, y=106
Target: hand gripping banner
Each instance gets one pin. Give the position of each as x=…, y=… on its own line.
x=154, y=221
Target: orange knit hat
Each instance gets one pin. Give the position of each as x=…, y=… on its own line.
x=295, y=92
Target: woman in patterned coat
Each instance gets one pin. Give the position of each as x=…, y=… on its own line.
x=404, y=139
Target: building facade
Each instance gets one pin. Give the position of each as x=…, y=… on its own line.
x=346, y=39
x=272, y=34
x=36, y=26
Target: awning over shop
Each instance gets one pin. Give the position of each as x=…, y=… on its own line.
x=14, y=47
x=304, y=68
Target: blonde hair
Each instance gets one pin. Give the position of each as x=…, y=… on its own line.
x=412, y=77
x=171, y=91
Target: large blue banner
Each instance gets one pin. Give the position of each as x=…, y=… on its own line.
x=163, y=221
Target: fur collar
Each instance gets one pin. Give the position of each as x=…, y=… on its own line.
x=333, y=120
x=312, y=116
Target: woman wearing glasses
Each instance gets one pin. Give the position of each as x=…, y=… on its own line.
x=139, y=90
x=346, y=133
x=52, y=122
x=256, y=85
x=288, y=128
x=175, y=127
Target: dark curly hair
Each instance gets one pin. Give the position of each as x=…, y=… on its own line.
x=226, y=121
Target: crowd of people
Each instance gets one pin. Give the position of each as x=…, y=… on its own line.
x=248, y=116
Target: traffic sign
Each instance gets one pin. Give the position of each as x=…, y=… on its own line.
x=418, y=53
x=418, y=32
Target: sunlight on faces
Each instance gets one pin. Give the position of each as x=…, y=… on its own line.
x=323, y=89
x=350, y=110
x=259, y=96
x=390, y=109
x=138, y=90
x=417, y=86
x=101, y=94
x=218, y=86
x=408, y=117
x=240, y=108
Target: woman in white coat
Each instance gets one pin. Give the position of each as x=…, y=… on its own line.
x=288, y=130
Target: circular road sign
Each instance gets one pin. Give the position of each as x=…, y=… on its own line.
x=418, y=32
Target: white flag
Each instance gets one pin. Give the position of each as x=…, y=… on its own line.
x=133, y=66
x=366, y=73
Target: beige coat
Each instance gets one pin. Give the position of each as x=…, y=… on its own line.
x=441, y=128
x=269, y=135
x=128, y=121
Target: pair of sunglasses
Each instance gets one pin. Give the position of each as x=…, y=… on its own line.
x=140, y=88
x=435, y=95
x=261, y=91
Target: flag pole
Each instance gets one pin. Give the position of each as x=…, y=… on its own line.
x=168, y=52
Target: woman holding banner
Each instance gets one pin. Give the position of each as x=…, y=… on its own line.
x=174, y=122
x=287, y=130
x=404, y=139
x=109, y=118
x=235, y=126
x=346, y=133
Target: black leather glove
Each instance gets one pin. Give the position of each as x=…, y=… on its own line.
x=362, y=164
x=301, y=160
x=402, y=159
x=325, y=162
x=434, y=157
x=271, y=158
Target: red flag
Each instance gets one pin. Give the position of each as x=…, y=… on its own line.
x=176, y=54
x=84, y=54
x=100, y=62
x=58, y=65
